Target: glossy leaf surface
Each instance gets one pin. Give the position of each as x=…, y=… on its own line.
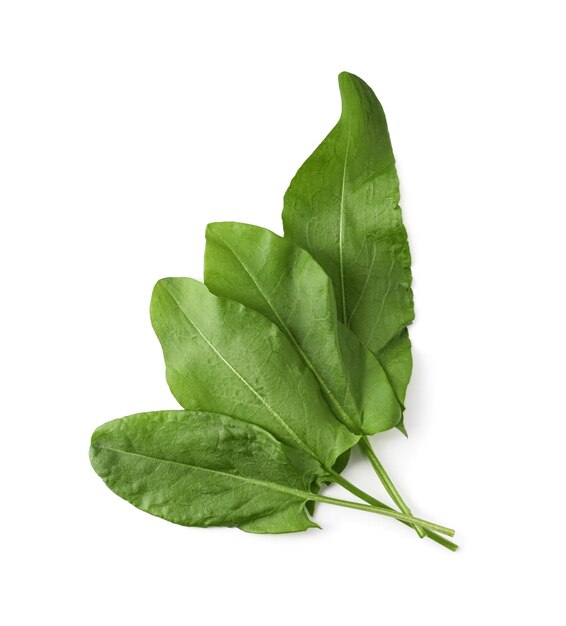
x=275, y=277
x=205, y=469
x=226, y=358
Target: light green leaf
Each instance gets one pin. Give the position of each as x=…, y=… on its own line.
x=343, y=207
x=291, y=519
x=205, y=469
x=226, y=358
x=275, y=277
x=398, y=363
x=370, y=384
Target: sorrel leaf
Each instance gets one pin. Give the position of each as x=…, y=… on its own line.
x=226, y=358
x=275, y=277
x=205, y=469
x=343, y=207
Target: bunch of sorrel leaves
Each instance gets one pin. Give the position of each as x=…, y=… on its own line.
x=294, y=350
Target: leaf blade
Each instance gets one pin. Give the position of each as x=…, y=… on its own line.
x=342, y=206
x=226, y=358
x=204, y=469
x=284, y=283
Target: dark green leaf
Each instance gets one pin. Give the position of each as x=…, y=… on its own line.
x=283, y=282
x=343, y=208
x=226, y=358
x=205, y=469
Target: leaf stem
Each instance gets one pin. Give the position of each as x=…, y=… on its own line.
x=386, y=512
x=386, y=481
x=346, y=484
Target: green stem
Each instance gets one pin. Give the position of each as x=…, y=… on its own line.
x=387, y=513
x=346, y=484
x=386, y=481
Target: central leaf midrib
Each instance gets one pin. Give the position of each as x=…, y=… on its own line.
x=345, y=416
x=273, y=412
x=303, y=495
x=341, y=226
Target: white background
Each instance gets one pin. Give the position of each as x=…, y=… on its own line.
x=124, y=128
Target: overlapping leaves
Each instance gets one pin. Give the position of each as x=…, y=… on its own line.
x=294, y=350
x=342, y=206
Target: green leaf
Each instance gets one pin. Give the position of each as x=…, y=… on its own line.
x=290, y=520
x=343, y=207
x=226, y=358
x=369, y=382
x=342, y=462
x=398, y=363
x=278, y=279
x=205, y=469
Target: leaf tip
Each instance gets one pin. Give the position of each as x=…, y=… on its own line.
x=401, y=428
